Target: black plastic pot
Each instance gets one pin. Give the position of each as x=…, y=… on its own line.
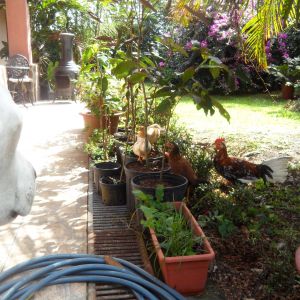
x=121, y=136
x=130, y=173
x=112, y=194
x=106, y=168
x=174, y=191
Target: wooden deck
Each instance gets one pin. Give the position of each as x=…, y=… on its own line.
x=52, y=140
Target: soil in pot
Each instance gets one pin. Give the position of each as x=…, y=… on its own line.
x=106, y=168
x=135, y=168
x=113, y=190
x=131, y=157
x=152, y=182
x=174, y=185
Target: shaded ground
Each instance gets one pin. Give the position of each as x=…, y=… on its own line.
x=52, y=140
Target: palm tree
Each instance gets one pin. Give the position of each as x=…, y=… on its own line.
x=272, y=17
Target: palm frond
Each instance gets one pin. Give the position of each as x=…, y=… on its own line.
x=270, y=20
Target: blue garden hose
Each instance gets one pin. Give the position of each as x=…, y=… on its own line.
x=69, y=268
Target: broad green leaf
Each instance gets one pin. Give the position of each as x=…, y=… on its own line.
x=148, y=61
x=163, y=92
x=165, y=106
x=137, y=77
x=215, y=60
x=221, y=109
x=215, y=72
x=104, y=84
x=124, y=68
x=188, y=74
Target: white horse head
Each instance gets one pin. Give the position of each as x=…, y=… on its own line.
x=17, y=176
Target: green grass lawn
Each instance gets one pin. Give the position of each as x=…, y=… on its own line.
x=241, y=109
x=257, y=123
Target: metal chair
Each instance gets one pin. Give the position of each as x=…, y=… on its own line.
x=17, y=72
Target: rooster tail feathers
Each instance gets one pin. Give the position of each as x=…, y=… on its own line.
x=265, y=172
x=278, y=167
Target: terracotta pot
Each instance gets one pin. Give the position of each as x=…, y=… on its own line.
x=186, y=274
x=91, y=122
x=110, y=122
x=297, y=259
x=287, y=92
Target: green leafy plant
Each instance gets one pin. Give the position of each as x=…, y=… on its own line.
x=289, y=72
x=172, y=229
x=101, y=146
x=93, y=82
x=51, y=73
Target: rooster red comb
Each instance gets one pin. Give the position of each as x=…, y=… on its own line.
x=219, y=140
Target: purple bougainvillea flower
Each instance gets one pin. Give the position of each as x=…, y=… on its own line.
x=161, y=64
x=188, y=45
x=283, y=35
x=203, y=44
x=285, y=55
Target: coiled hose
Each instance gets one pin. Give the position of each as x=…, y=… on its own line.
x=69, y=268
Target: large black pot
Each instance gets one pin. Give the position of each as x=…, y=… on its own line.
x=174, y=190
x=130, y=173
x=112, y=193
x=106, y=168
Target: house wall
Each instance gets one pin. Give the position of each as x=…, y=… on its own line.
x=3, y=31
x=18, y=28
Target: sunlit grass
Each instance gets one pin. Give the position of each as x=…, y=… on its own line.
x=252, y=110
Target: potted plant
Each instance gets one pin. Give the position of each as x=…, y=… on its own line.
x=174, y=186
x=182, y=249
x=93, y=88
x=110, y=114
x=288, y=74
x=101, y=150
x=113, y=190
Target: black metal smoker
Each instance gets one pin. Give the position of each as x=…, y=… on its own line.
x=67, y=70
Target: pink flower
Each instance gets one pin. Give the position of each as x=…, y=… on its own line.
x=203, y=44
x=188, y=45
x=283, y=35
x=161, y=64
x=285, y=55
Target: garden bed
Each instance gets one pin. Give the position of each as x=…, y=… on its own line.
x=255, y=233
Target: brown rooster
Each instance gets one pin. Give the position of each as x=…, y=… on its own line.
x=180, y=165
x=238, y=170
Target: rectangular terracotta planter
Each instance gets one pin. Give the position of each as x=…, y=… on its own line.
x=186, y=274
